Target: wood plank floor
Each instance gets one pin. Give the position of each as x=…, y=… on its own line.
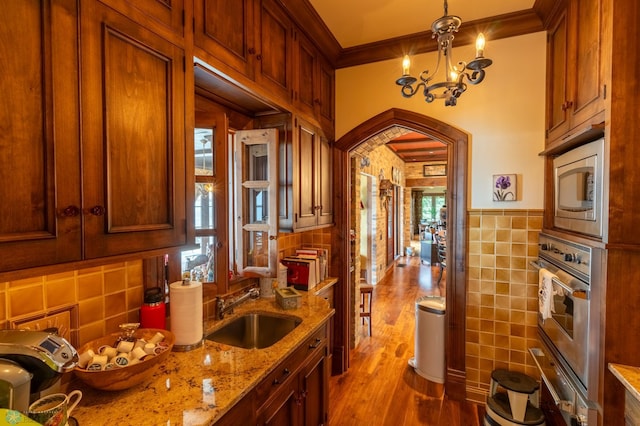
x=380, y=388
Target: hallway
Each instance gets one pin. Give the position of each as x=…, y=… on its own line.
x=380, y=388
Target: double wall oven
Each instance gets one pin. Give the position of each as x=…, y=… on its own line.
x=569, y=352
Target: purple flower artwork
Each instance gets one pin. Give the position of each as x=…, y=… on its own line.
x=504, y=188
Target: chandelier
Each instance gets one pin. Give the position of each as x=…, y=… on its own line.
x=454, y=84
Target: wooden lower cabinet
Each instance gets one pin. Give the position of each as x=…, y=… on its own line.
x=296, y=392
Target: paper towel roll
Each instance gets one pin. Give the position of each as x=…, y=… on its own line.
x=186, y=312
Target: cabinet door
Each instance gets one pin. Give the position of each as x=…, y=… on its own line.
x=326, y=93
x=585, y=59
x=160, y=15
x=282, y=409
x=133, y=136
x=306, y=92
x=315, y=390
x=40, y=165
x=325, y=182
x=557, y=96
x=306, y=168
x=274, y=53
x=225, y=29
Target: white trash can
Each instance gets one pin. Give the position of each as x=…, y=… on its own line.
x=429, y=360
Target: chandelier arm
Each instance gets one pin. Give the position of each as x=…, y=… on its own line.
x=476, y=77
x=408, y=90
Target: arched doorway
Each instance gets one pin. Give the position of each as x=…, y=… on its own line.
x=457, y=142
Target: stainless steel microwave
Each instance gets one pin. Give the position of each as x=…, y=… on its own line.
x=578, y=189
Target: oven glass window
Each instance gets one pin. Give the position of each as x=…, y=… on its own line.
x=563, y=315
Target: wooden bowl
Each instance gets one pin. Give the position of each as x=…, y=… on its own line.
x=119, y=378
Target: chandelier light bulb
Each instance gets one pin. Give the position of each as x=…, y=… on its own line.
x=480, y=46
x=406, y=65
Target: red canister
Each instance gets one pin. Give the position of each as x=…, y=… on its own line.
x=153, y=311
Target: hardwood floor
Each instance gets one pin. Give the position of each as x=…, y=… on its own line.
x=380, y=388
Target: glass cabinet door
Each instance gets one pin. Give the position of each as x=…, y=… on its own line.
x=256, y=206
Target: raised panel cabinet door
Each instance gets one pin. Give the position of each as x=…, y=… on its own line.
x=306, y=75
x=326, y=93
x=164, y=16
x=325, y=182
x=315, y=390
x=274, y=52
x=133, y=142
x=587, y=98
x=306, y=164
x=557, y=95
x=39, y=142
x=225, y=29
x=282, y=407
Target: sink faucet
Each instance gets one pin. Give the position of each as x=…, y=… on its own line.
x=223, y=306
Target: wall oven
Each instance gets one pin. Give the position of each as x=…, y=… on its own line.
x=568, y=356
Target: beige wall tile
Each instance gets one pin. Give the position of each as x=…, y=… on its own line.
x=25, y=300
x=90, y=285
x=115, y=304
x=61, y=292
x=90, y=310
x=115, y=280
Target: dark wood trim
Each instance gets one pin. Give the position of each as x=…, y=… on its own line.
x=457, y=141
x=430, y=181
x=494, y=28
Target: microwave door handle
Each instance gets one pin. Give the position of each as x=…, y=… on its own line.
x=578, y=294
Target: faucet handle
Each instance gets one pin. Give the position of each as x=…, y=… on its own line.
x=254, y=293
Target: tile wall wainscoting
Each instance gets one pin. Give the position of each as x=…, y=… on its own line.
x=502, y=295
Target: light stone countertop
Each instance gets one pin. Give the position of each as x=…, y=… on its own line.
x=629, y=376
x=199, y=386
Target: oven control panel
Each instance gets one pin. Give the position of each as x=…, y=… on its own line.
x=565, y=254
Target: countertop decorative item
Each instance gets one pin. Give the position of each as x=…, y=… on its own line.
x=118, y=378
x=288, y=298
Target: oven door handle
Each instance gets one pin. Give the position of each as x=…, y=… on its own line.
x=575, y=293
x=562, y=404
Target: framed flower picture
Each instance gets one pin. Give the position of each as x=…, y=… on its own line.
x=504, y=188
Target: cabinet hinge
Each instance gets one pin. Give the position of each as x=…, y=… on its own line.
x=604, y=92
x=184, y=18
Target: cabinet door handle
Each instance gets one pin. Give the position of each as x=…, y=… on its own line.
x=259, y=57
x=70, y=211
x=95, y=211
x=251, y=51
x=285, y=373
x=315, y=344
x=300, y=397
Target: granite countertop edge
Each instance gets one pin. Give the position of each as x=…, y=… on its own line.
x=629, y=376
x=199, y=386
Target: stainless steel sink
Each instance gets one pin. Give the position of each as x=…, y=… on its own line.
x=257, y=330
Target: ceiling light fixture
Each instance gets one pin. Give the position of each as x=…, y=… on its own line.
x=454, y=84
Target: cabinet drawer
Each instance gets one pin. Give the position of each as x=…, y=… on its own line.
x=287, y=369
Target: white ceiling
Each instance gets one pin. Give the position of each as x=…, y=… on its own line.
x=356, y=22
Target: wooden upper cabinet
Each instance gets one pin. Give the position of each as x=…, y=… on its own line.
x=311, y=177
x=274, y=50
x=163, y=16
x=40, y=164
x=313, y=83
x=133, y=136
x=225, y=29
x=306, y=87
x=576, y=91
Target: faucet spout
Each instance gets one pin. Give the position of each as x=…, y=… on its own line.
x=223, y=306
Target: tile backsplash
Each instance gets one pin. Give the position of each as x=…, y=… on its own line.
x=502, y=295
x=98, y=298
